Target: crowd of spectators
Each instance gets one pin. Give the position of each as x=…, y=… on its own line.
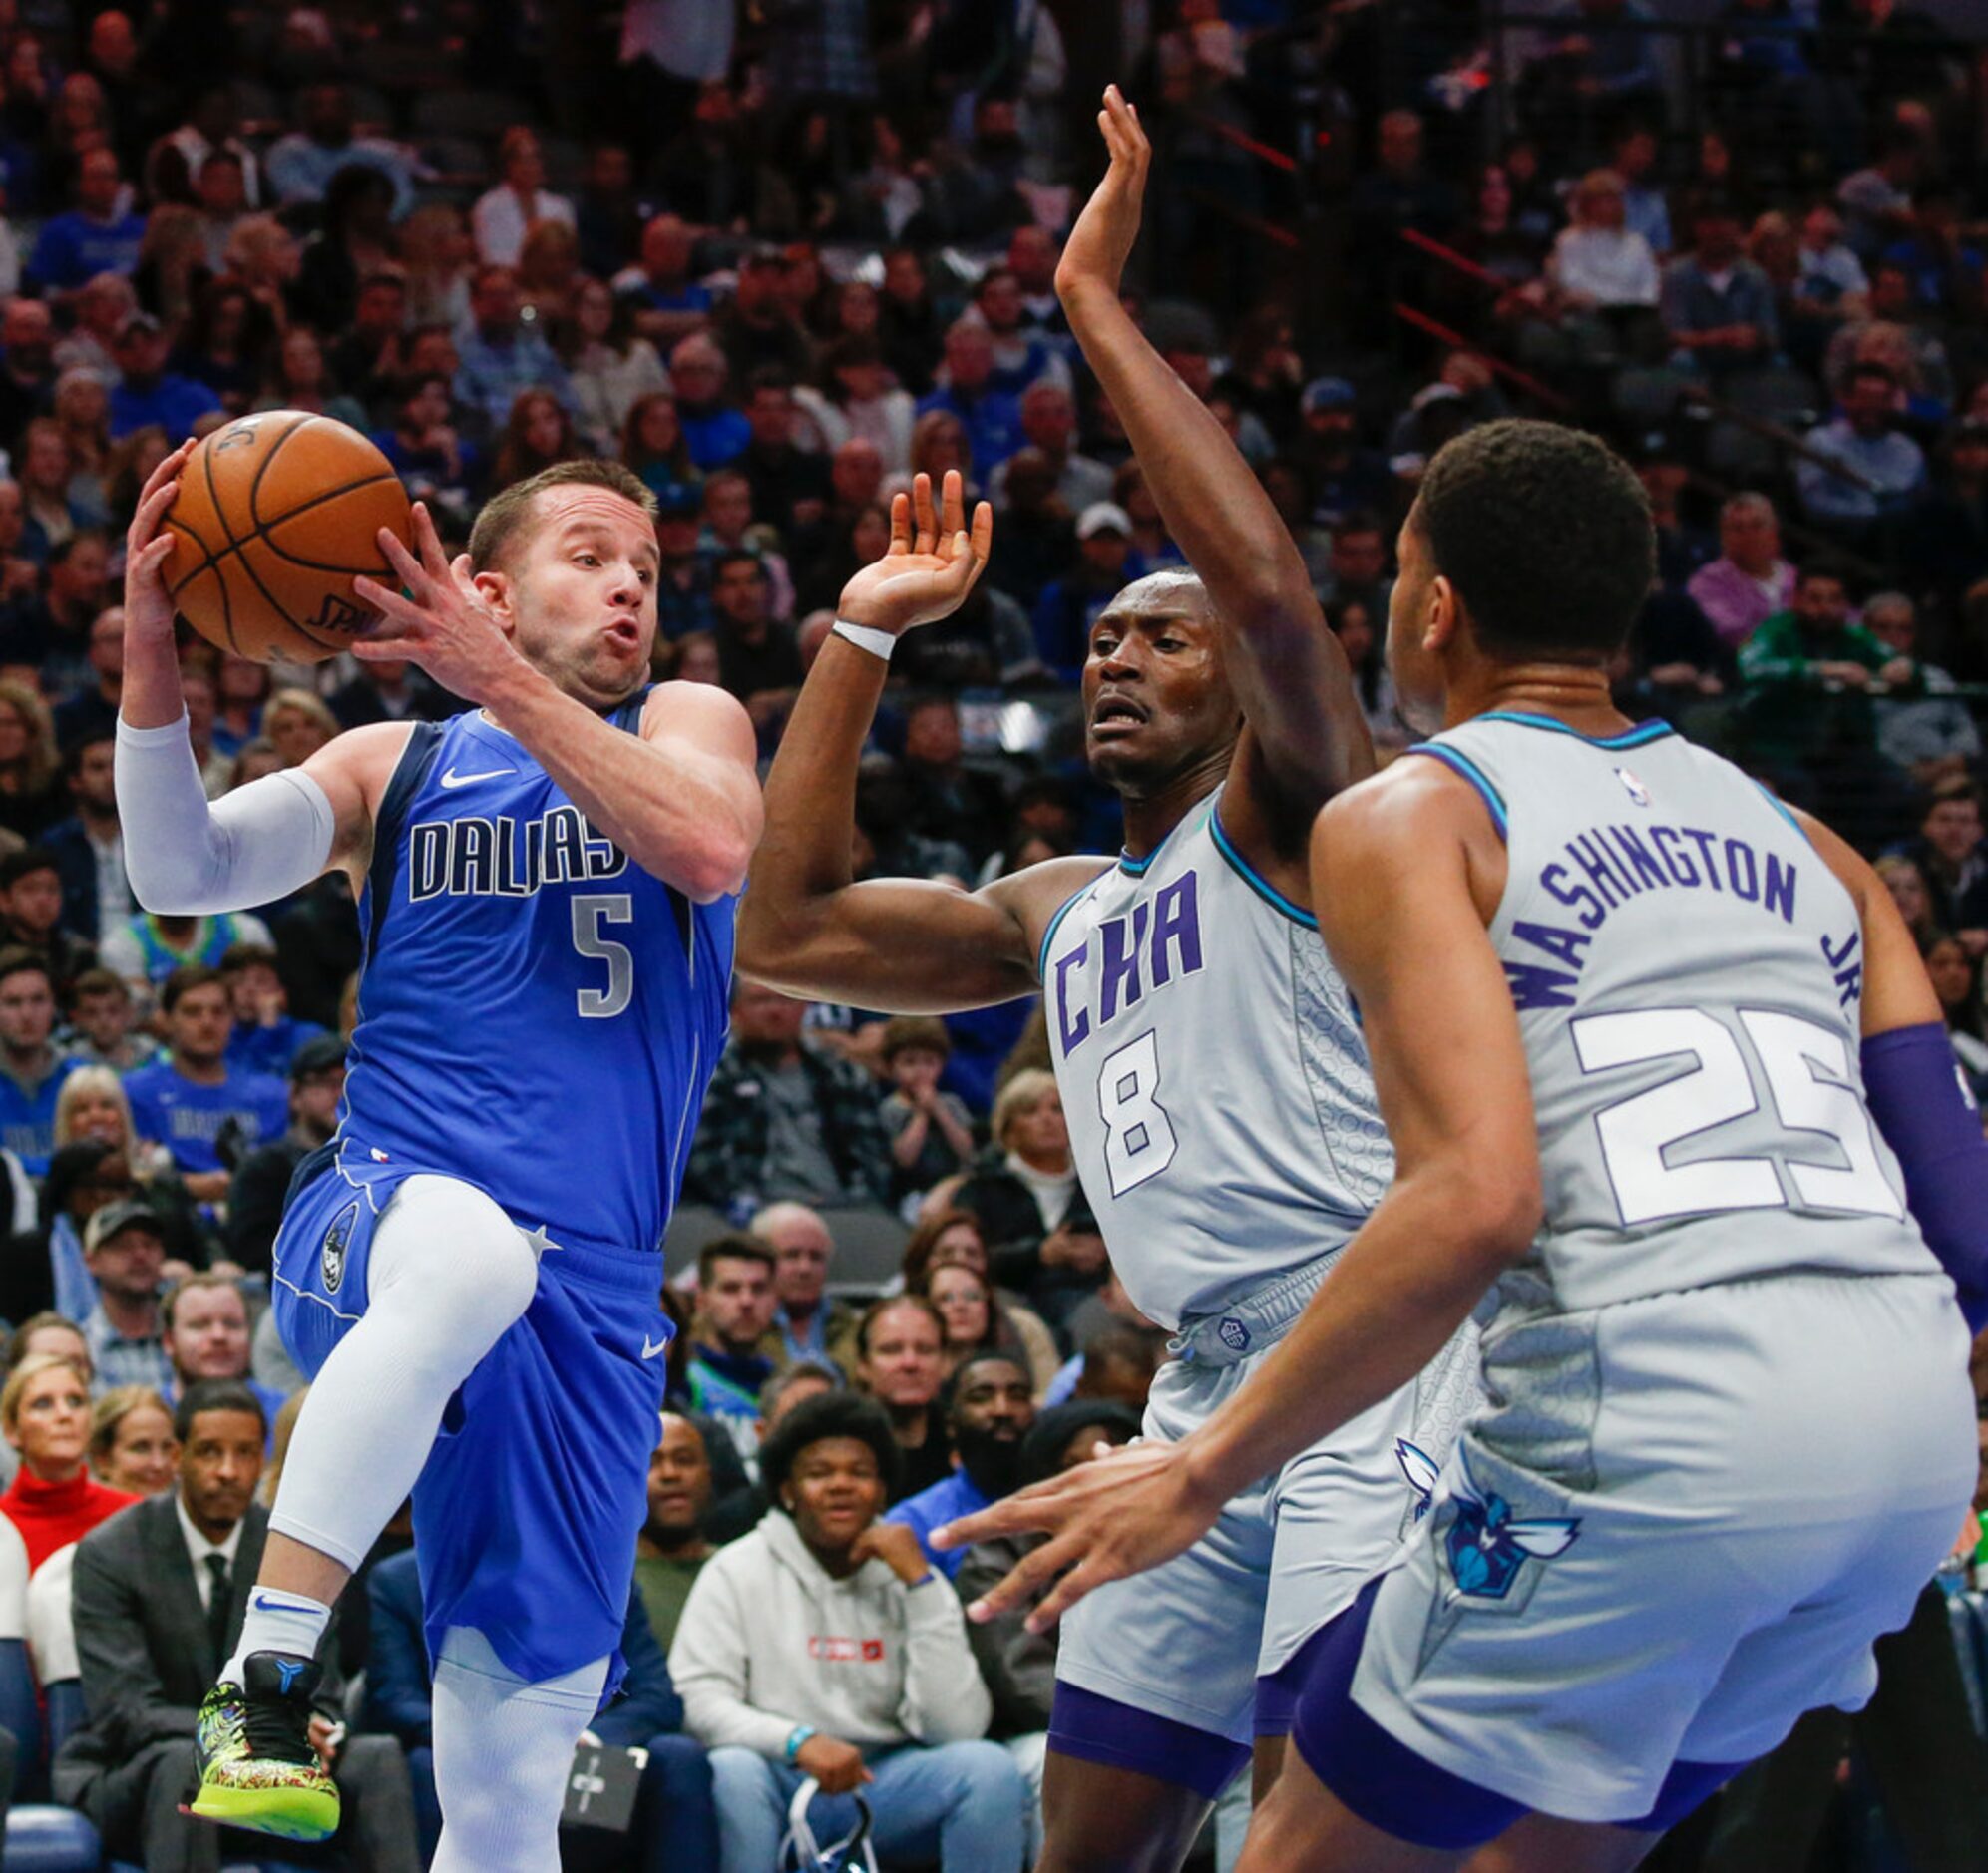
x=778, y=261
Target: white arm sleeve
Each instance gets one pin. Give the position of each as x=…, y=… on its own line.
x=186, y=858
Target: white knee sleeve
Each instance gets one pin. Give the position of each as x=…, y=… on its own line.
x=503, y=1750
x=448, y=1272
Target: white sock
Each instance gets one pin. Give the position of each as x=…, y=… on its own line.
x=278, y=1621
x=448, y=1273
x=503, y=1752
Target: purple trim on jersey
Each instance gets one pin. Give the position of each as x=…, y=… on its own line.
x=1381, y=1781
x=1688, y=1786
x=1928, y=1118
x=1095, y=1728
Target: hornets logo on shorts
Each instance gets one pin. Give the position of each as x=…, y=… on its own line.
x=1487, y=1548
x=1421, y=1471
x=331, y=1257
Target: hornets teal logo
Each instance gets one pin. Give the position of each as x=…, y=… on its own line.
x=1487, y=1548
x=331, y=1257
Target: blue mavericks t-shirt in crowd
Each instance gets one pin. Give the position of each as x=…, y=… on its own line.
x=74, y=247
x=172, y=1110
x=269, y=1050
x=27, y=1116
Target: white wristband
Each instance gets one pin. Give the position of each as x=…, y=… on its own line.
x=878, y=643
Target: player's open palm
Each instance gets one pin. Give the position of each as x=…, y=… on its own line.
x=1101, y=241
x=1120, y=1514
x=931, y=564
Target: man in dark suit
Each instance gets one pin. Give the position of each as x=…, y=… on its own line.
x=159, y=1596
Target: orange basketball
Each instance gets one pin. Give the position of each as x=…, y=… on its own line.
x=275, y=515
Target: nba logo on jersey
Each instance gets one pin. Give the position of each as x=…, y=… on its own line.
x=1235, y=1335
x=332, y=1255
x=1633, y=787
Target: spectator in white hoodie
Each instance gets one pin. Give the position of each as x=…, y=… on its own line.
x=824, y=1644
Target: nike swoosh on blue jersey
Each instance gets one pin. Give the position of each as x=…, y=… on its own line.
x=453, y=779
x=649, y=1352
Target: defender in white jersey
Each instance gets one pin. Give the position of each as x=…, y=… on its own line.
x=1220, y=1105
x=1661, y=1069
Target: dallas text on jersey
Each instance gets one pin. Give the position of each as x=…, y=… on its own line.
x=507, y=858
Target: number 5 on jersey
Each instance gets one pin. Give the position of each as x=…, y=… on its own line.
x=588, y=914
x=1139, y=1140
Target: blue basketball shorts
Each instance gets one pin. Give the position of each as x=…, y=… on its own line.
x=527, y=1512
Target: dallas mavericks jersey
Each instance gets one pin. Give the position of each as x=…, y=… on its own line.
x=537, y=1016
x=1688, y=973
x=1220, y=1105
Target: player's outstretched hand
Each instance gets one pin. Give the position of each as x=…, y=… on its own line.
x=929, y=566
x=1101, y=241
x=442, y=625
x=148, y=545
x=1122, y=1513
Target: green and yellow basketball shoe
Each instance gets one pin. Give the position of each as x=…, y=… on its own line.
x=252, y=1751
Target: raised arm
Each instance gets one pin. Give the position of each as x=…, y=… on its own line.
x=1310, y=738
x=903, y=944
x=260, y=843
x=1464, y=1203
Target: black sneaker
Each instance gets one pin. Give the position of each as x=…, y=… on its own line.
x=252, y=1751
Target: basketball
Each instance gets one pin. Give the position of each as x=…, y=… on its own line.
x=275, y=515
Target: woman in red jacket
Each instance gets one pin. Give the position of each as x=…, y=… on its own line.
x=45, y=1415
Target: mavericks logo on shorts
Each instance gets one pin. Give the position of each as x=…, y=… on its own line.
x=1235, y=1335
x=331, y=1257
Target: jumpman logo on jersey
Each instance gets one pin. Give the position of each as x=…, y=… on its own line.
x=452, y=779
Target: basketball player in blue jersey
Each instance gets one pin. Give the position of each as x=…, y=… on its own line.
x=1664, y=1071
x=468, y=1271
x=1220, y=1106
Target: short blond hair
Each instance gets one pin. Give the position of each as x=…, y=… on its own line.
x=111, y=1411
x=314, y=709
x=1023, y=1093
x=86, y=1081
x=39, y=761
x=25, y=1374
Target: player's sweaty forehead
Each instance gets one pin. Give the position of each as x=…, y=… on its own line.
x=1159, y=599
x=565, y=515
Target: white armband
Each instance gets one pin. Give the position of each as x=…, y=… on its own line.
x=187, y=859
x=878, y=643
